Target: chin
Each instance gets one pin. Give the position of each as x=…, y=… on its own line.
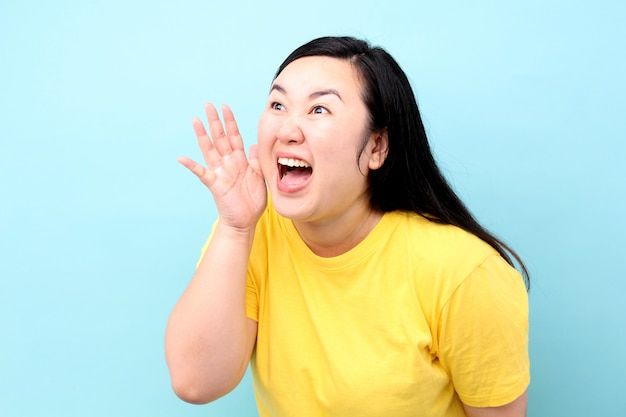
x=291, y=207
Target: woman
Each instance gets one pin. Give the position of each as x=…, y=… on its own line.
x=342, y=266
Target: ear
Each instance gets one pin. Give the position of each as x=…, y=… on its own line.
x=379, y=150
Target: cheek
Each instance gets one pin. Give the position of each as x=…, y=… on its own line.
x=263, y=129
x=265, y=135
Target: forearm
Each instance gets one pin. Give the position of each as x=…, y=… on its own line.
x=207, y=346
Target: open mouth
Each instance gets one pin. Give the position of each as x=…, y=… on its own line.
x=293, y=171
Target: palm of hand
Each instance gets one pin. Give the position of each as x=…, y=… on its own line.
x=237, y=185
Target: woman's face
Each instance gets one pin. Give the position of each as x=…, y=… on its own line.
x=310, y=136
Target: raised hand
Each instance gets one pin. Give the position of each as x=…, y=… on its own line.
x=237, y=185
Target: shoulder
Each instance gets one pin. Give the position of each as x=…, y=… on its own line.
x=439, y=243
x=270, y=222
x=442, y=257
x=273, y=233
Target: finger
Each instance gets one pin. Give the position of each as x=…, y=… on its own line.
x=220, y=140
x=232, y=130
x=207, y=176
x=209, y=153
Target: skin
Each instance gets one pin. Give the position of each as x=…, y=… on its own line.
x=516, y=408
x=315, y=114
x=209, y=339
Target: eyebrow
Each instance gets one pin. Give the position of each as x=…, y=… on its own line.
x=316, y=94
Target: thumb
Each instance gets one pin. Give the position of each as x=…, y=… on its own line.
x=253, y=159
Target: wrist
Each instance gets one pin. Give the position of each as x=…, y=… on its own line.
x=234, y=232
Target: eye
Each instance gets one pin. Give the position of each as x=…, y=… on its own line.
x=277, y=106
x=319, y=110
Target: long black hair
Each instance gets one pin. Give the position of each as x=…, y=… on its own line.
x=409, y=179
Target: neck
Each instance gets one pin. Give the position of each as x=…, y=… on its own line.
x=338, y=235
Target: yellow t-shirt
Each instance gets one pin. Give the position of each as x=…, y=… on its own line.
x=415, y=319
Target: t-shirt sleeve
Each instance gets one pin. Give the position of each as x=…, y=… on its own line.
x=484, y=335
x=252, y=299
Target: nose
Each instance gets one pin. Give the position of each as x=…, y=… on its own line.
x=290, y=131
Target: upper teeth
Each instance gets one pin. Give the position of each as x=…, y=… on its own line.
x=290, y=162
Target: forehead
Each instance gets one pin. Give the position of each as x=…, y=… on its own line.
x=319, y=72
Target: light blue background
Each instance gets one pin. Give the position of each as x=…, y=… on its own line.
x=100, y=228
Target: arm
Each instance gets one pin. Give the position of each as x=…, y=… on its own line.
x=516, y=408
x=209, y=339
